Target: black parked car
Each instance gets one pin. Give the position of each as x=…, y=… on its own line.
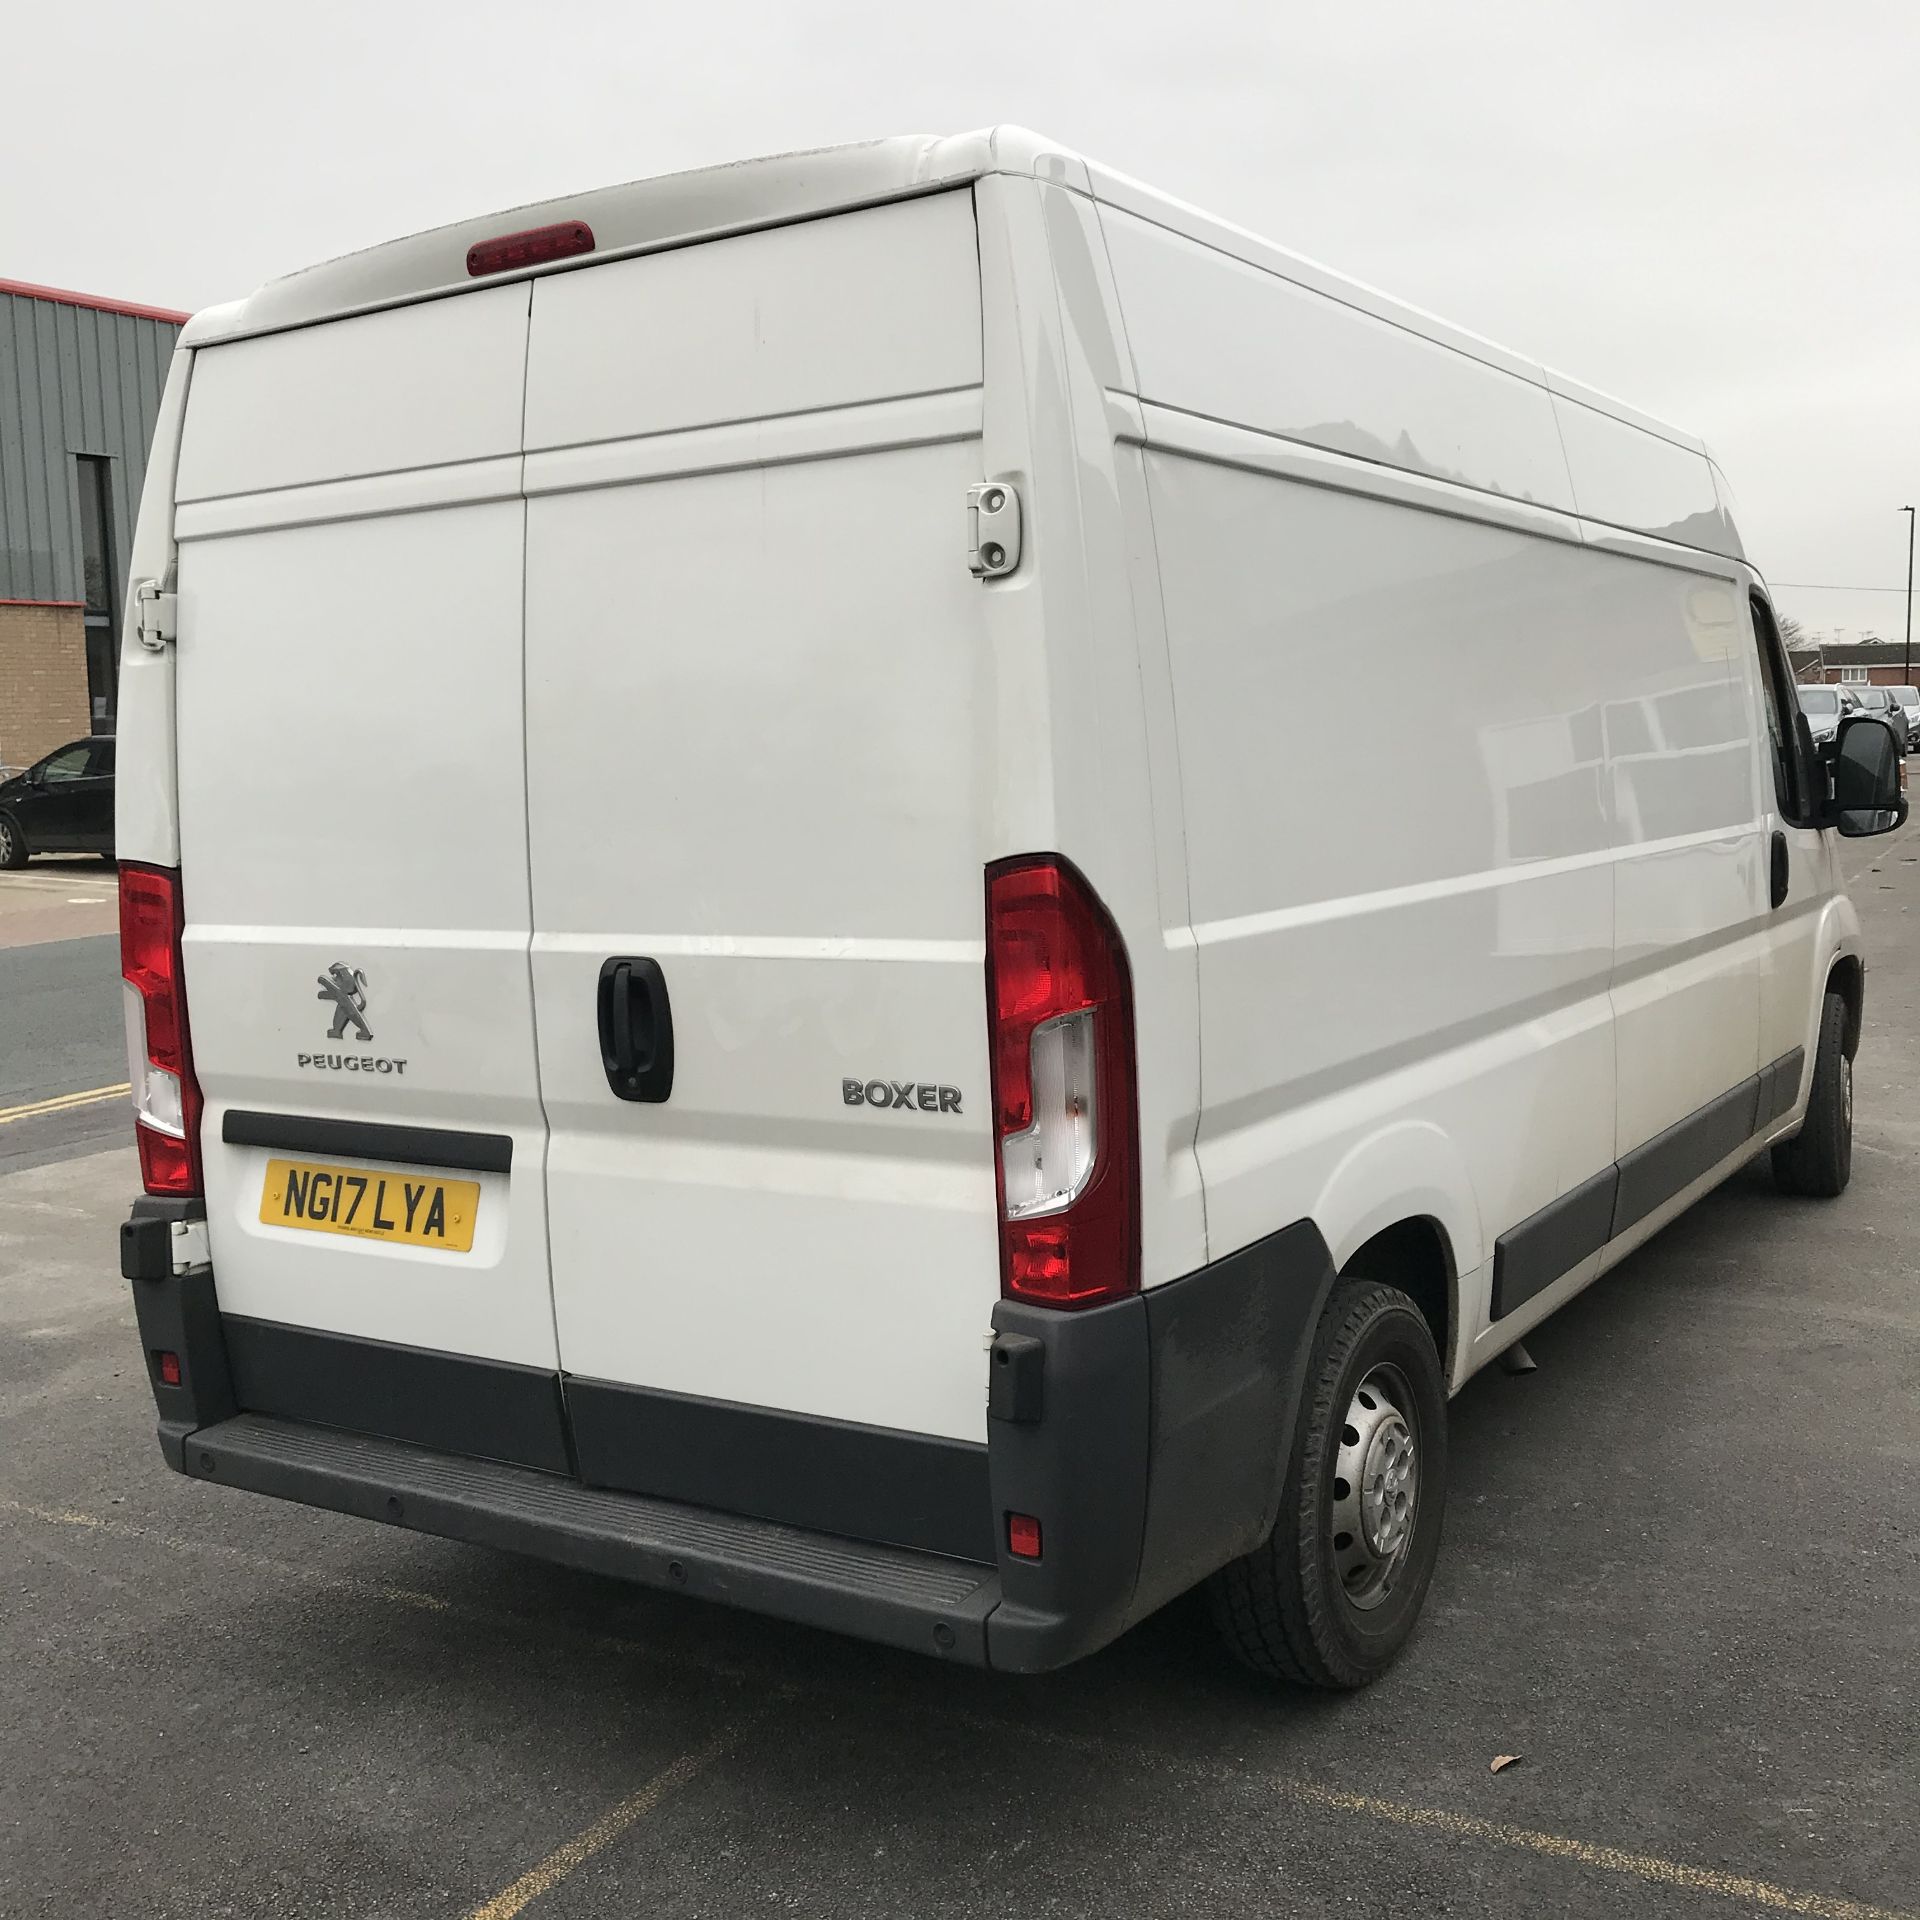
x=1880, y=702
x=62, y=804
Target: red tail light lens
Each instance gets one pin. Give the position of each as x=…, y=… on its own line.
x=1060, y=999
x=166, y=1097
x=531, y=248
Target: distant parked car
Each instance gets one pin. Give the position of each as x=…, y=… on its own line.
x=1823, y=707
x=1880, y=702
x=62, y=804
x=1909, y=699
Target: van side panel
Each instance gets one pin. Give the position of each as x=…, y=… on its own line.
x=757, y=694
x=1404, y=946
x=1690, y=879
x=1629, y=477
x=1220, y=337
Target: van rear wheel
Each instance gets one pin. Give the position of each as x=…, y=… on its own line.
x=1818, y=1160
x=1330, y=1596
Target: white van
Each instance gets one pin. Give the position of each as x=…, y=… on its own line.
x=785, y=998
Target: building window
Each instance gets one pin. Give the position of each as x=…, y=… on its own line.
x=101, y=584
x=1853, y=676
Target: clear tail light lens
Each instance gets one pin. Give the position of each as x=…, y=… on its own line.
x=1060, y=999
x=166, y=1097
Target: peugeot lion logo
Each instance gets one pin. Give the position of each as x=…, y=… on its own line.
x=346, y=988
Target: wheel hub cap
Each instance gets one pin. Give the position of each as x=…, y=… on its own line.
x=1376, y=1488
x=1386, y=1490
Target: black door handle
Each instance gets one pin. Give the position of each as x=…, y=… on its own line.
x=1780, y=873
x=636, y=1029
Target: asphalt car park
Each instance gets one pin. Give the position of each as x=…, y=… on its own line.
x=1681, y=1582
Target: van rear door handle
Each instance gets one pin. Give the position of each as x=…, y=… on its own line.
x=1781, y=875
x=636, y=1029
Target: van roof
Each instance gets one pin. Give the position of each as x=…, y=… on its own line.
x=674, y=209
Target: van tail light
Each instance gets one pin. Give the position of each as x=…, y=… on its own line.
x=1060, y=1003
x=166, y=1097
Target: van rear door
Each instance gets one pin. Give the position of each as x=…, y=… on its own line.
x=757, y=696
x=354, y=868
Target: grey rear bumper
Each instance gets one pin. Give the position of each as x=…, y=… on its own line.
x=921, y=1601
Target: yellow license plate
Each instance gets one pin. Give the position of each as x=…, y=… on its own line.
x=414, y=1209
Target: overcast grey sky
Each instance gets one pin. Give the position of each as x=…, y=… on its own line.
x=1710, y=209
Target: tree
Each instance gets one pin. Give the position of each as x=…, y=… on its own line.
x=1792, y=631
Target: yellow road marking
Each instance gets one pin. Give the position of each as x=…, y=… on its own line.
x=1649, y=1868
x=497, y=1618
x=217, y=1550
x=62, y=1101
x=604, y=1831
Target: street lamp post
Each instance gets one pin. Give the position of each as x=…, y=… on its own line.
x=1906, y=659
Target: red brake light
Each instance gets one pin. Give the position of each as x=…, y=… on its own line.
x=1060, y=1003
x=166, y=1097
x=531, y=248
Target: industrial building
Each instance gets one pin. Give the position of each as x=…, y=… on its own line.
x=80, y=382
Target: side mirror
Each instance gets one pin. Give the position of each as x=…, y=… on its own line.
x=1868, y=778
x=37, y=776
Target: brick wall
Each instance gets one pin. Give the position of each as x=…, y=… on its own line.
x=43, y=681
x=1878, y=676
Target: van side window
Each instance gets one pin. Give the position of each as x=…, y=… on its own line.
x=1791, y=780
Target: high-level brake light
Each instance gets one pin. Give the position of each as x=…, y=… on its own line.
x=166, y=1097
x=533, y=247
x=1060, y=999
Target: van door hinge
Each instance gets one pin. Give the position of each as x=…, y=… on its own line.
x=993, y=529
x=156, y=616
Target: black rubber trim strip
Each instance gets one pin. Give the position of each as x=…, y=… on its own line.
x=914, y=1600
x=452, y=1402
x=369, y=1140
x=1529, y=1258
x=1780, y=1085
x=1652, y=1174
x=911, y=1490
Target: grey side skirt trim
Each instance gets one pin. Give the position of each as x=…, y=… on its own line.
x=1530, y=1257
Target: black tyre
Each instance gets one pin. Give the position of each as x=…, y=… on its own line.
x=13, y=846
x=1818, y=1160
x=1329, y=1598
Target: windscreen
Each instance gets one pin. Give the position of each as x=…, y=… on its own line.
x=1818, y=700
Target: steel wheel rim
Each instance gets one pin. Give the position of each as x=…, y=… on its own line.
x=6, y=840
x=1375, y=1500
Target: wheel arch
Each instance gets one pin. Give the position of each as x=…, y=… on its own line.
x=1401, y=1201
x=1416, y=1256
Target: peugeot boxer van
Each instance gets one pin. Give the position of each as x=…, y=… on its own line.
x=751, y=965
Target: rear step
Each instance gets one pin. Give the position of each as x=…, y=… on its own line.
x=921, y=1601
